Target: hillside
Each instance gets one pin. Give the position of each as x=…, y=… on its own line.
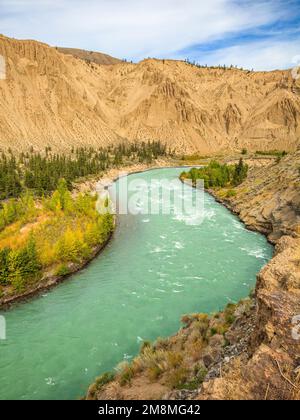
x=50, y=98
x=90, y=56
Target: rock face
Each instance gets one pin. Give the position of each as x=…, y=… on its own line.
x=58, y=99
x=268, y=201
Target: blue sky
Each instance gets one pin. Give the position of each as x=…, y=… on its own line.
x=259, y=34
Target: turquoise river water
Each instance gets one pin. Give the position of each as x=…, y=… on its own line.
x=155, y=269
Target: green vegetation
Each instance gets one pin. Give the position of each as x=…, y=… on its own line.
x=10, y=183
x=104, y=379
x=13, y=210
x=100, y=382
x=62, y=270
x=191, y=157
x=275, y=153
x=126, y=373
x=231, y=193
x=48, y=235
x=272, y=153
x=42, y=227
x=219, y=67
x=40, y=173
x=229, y=314
x=19, y=265
x=199, y=375
x=177, y=378
x=218, y=175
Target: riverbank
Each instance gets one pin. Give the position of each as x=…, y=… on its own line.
x=50, y=278
x=49, y=281
x=268, y=202
x=114, y=173
x=257, y=355
x=48, y=241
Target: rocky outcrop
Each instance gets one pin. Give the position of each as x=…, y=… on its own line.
x=268, y=201
x=64, y=98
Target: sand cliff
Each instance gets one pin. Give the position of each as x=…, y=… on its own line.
x=56, y=99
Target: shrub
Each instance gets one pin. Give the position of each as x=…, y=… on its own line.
x=154, y=372
x=19, y=266
x=202, y=326
x=218, y=175
x=277, y=153
x=145, y=345
x=14, y=210
x=177, y=378
x=191, y=157
x=126, y=375
x=104, y=379
x=63, y=270
x=196, y=348
x=240, y=173
x=229, y=313
x=174, y=359
x=71, y=246
x=152, y=357
x=4, y=266
x=162, y=343
x=17, y=281
x=229, y=318
x=220, y=328
x=189, y=319
x=213, y=331
x=186, y=320
x=231, y=193
x=200, y=374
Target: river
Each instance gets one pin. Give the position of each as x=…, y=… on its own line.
x=155, y=269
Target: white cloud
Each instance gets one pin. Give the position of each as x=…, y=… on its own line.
x=261, y=55
x=137, y=28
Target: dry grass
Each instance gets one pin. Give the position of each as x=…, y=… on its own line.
x=176, y=362
x=296, y=391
